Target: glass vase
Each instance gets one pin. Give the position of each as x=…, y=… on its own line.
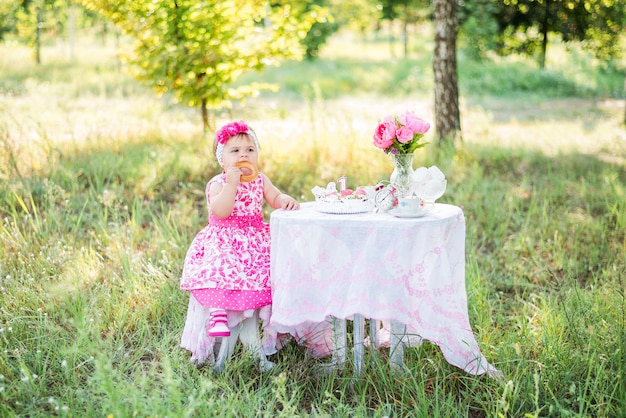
x=402, y=175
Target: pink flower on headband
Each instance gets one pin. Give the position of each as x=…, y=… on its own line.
x=231, y=129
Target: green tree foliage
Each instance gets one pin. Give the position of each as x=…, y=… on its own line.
x=479, y=27
x=323, y=27
x=8, y=17
x=31, y=20
x=525, y=25
x=196, y=50
x=360, y=15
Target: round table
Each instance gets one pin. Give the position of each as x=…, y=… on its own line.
x=408, y=271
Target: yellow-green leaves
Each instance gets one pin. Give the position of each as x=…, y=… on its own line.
x=196, y=50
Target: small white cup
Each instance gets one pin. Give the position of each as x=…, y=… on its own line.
x=411, y=205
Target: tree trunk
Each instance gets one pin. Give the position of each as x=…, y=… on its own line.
x=544, y=34
x=544, y=51
x=447, y=117
x=38, y=36
x=71, y=30
x=405, y=33
x=206, y=125
x=391, y=39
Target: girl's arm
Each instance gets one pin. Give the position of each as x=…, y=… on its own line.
x=222, y=196
x=275, y=198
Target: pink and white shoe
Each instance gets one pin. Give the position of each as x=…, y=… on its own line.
x=218, y=324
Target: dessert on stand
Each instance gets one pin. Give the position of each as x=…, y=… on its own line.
x=429, y=183
x=343, y=201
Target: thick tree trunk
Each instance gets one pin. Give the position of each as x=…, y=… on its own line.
x=447, y=117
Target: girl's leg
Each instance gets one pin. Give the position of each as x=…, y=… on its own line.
x=218, y=323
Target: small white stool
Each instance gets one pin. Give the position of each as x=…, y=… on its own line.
x=248, y=332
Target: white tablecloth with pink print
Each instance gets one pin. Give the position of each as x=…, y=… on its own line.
x=409, y=270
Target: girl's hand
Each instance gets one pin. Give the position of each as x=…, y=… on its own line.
x=288, y=203
x=233, y=175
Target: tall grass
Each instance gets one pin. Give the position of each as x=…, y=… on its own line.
x=101, y=191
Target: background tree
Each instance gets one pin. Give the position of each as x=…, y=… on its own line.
x=479, y=29
x=324, y=27
x=35, y=19
x=362, y=16
x=447, y=116
x=407, y=11
x=8, y=17
x=197, y=50
x=525, y=26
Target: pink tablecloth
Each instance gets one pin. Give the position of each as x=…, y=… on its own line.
x=410, y=270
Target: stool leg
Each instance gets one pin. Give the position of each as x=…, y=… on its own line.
x=250, y=338
x=396, y=347
x=227, y=348
x=359, y=346
x=339, y=342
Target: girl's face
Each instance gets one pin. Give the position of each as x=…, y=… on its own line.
x=240, y=148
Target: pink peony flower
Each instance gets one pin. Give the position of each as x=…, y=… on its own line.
x=414, y=123
x=389, y=133
x=380, y=139
x=405, y=134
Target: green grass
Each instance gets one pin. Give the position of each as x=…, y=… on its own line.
x=101, y=192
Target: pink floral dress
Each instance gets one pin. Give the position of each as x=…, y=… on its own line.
x=228, y=262
x=228, y=266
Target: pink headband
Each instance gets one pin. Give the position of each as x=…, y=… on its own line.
x=226, y=132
